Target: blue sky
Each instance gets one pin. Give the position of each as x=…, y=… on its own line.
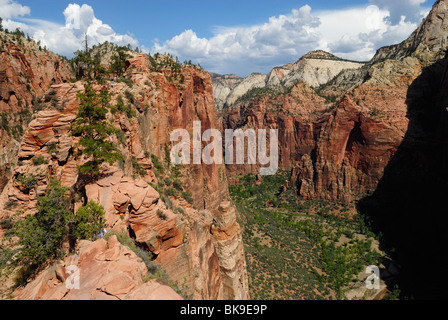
x=230, y=36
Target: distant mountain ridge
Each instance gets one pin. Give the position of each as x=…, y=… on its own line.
x=314, y=68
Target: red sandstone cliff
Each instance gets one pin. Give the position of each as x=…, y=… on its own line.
x=208, y=261
x=339, y=150
x=26, y=73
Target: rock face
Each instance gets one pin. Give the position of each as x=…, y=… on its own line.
x=315, y=68
x=406, y=203
x=26, y=73
x=428, y=42
x=177, y=233
x=295, y=116
x=345, y=148
x=222, y=87
x=100, y=271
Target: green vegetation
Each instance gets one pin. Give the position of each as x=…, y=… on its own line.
x=41, y=237
x=88, y=220
x=87, y=64
x=93, y=128
x=299, y=248
x=170, y=67
x=88, y=67
x=42, y=234
x=119, y=61
x=121, y=106
x=257, y=93
x=138, y=168
x=28, y=181
x=14, y=123
x=37, y=161
x=169, y=182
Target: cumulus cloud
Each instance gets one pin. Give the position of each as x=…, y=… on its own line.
x=66, y=39
x=11, y=9
x=409, y=9
x=367, y=29
x=243, y=48
x=352, y=33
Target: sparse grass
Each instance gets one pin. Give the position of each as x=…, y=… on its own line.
x=162, y=215
x=293, y=246
x=138, y=168
x=37, y=161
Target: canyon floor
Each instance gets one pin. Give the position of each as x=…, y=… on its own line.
x=300, y=249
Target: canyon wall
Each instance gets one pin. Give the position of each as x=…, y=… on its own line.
x=197, y=242
x=353, y=124
x=26, y=72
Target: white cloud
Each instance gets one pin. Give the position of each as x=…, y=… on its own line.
x=66, y=39
x=248, y=49
x=352, y=33
x=410, y=9
x=11, y=9
x=367, y=29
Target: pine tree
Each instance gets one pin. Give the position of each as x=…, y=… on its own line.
x=119, y=61
x=94, y=129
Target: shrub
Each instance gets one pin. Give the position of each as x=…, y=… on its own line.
x=179, y=210
x=128, y=94
x=138, y=168
x=42, y=234
x=177, y=184
x=127, y=241
x=6, y=223
x=168, y=181
x=187, y=196
x=122, y=107
x=156, y=162
x=162, y=215
x=5, y=255
x=28, y=181
x=37, y=161
x=120, y=136
x=171, y=192
x=10, y=204
x=89, y=219
x=128, y=82
x=52, y=147
x=167, y=201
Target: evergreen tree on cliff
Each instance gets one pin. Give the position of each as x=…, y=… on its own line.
x=95, y=131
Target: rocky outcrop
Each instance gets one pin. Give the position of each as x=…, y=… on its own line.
x=176, y=232
x=227, y=238
x=222, y=87
x=428, y=43
x=99, y=271
x=295, y=116
x=315, y=68
x=26, y=73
